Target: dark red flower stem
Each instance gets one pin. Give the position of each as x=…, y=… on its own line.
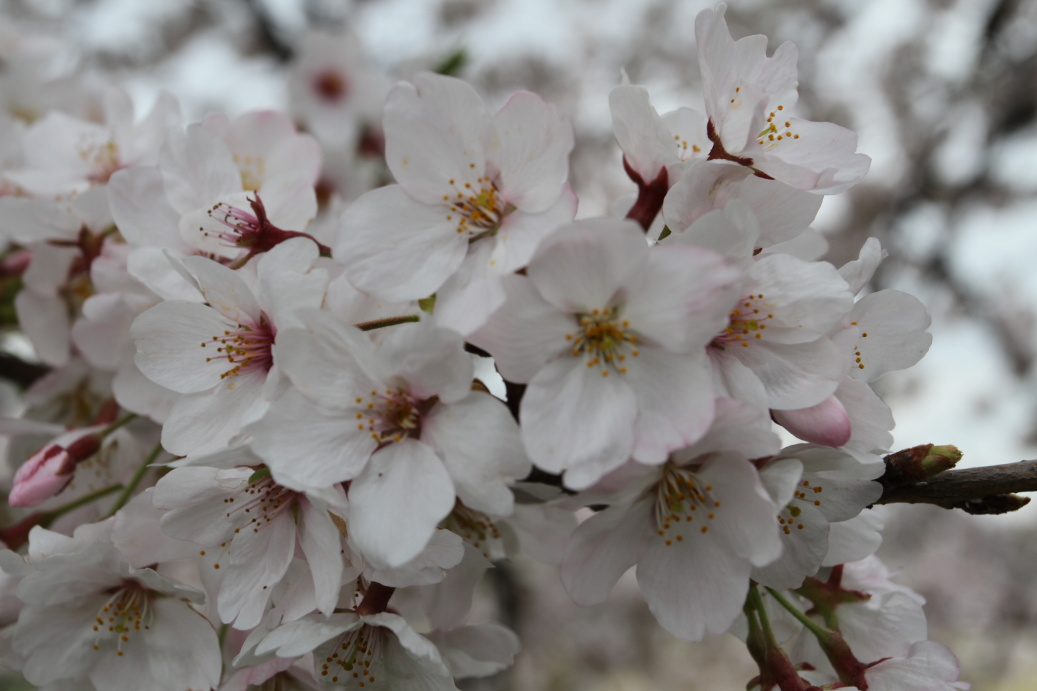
x=650, y=196
x=376, y=599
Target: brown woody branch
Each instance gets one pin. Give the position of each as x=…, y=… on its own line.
x=988, y=490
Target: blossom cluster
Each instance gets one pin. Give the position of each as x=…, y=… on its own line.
x=276, y=451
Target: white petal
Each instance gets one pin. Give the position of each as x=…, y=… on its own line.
x=396, y=503
x=602, y=548
x=535, y=141
x=589, y=264
x=575, y=419
x=435, y=130
x=398, y=248
x=481, y=449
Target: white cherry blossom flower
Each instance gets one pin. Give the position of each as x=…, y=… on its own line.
x=88, y=615
x=694, y=526
x=353, y=651
x=610, y=337
x=475, y=195
x=748, y=97
x=220, y=355
x=399, y=421
x=250, y=528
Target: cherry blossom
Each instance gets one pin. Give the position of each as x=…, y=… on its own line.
x=475, y=195
x=587, y=324
x=747, y=99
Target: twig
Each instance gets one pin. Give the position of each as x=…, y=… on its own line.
x=985, y=490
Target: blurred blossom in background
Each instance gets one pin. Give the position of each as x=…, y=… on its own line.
x=943, y=95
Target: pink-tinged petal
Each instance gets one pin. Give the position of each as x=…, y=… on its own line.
x=257, y=560
x=519, y=349
x=472, y=294
x=169, y=339
x=929, y=666
x=747, y=522
x=134, y=391
x=44, y=319
x=306, y=445
x=192, y=501
x=34, y=220
x=206, y=421
x=444, y=551
x=589, y=264
x=793, y=376
x=601, y=550
x=853, y=539
x=320, y=542
x=184, y=653
x=674, y=398
x=736, y=427
x=396, y=503
x=435, y=133
x=289, y=199
x=892, y=328
x=646, y=142
x=808, y=300
x=693, y=587
x=225, y=290
x=298, y=155
x=296, y=638
x=826, y=423
x=287, y=281
x=152, y=267
x=254, y=133
x=858, y=273
x=533, y=155
x=713, y=185
x=872, y=419
x=330, y=364
x=684, y=299
x=197, y=169
x=477, y=650
x=576, y=420
x=822, y=158
x=716, y=52
x=448, y=605
x=521, y=233
x=399, y=248
x=480, y=445
x=431, y=360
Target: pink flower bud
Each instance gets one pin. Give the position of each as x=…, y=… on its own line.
x=49, y=470
x=826, y=423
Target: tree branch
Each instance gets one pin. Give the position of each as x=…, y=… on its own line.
x=977, y=491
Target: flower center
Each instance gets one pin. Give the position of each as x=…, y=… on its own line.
x=258, y=504
x=352, y=659
x=604, y=340
x=391, y=415
x=680, y=497
x=330, y=85
x=806, y=492
x=125, y=612
x=478, y=210
x=477, y=529
x=777, y=129
x=246, y=348
x=747, y=323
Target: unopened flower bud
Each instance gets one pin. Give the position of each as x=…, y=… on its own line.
x=918, y=463
x=49, y=470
